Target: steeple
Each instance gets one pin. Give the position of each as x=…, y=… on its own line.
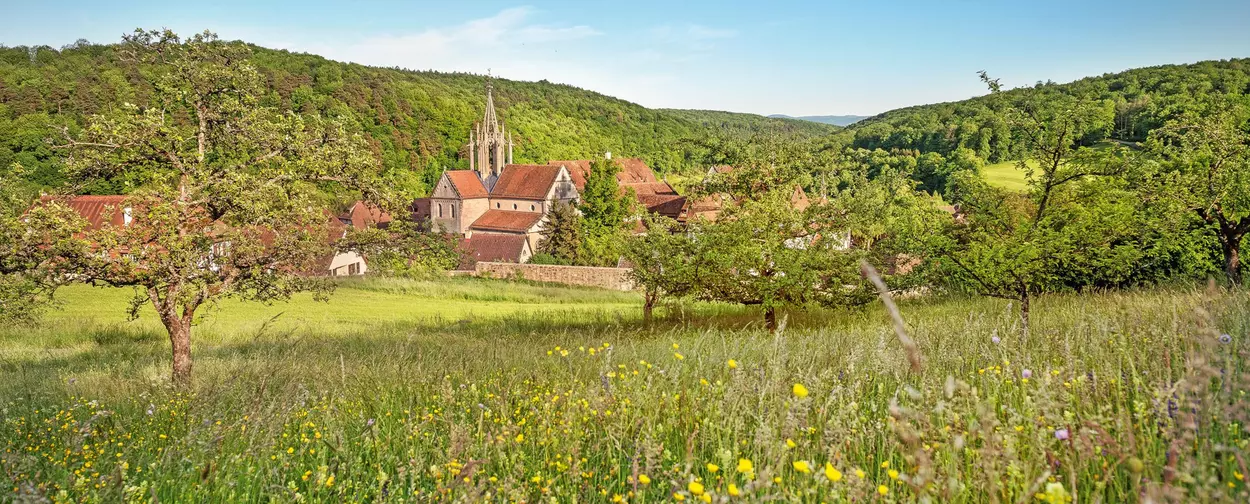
x=490, y=144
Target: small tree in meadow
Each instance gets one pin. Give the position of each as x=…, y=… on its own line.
x=229, y=193
x=662, y=261
x=562, y=234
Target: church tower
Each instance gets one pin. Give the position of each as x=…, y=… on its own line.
x=490, y=145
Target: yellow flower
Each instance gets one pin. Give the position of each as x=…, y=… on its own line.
x=695, y=487
x=733, y=490
x=885, y=465
x=832, y=473
x=712, y=468
x=707, y=497
x=893, y=474
x=800, y=391
x=790, y=443
x=883, y=490
x=678, y=497
x=520, y=437
x=618, y=498
x=859, y=473
x=733, y=364
x=678, y=356
x=675, y=346
x=744, y=466
x=801, y=466
x=330, y=481
x=642, y=478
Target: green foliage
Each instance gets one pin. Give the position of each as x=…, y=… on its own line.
x=562, y=234
x=416, y=123
x=34, y=242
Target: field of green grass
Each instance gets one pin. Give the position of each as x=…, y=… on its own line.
x=467, y=390
x=1006, y=175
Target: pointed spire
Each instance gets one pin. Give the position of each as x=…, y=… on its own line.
x=489, y=120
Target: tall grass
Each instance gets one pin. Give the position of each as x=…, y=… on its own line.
x=1127, y=397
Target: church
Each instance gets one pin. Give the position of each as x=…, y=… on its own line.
x=500, y=207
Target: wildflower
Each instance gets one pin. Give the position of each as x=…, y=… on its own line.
x=520, y=437
x=695, y=487
x=745, y=466
x=733, y=364
x=1239, y=476
x=893, y=474
x=330, y=481
x=642, y=478
x=678, y=356
x=790, y=443
x=1062, y=434
x=707, y=497
x=800, y=391
x=1226, y=338
x=678, y=497
x=801, y=466
x=883, y=490
x=832, y=473
x=996, y=340
x=618, y=498
x=733, y=490
x=859, y=473
x=712, y=468
x=885, y=465
x=1026, y=374
x=1056, y=494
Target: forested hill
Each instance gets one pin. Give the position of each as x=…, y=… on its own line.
x=1135, y=102
x=418, y=121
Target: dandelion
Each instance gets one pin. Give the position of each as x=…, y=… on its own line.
x=893, y=474
x=1056, y=494
x=1062, y=434
x=712, y=468
x=733, y=490
x=733, y=364
x=520, y=437
x=801, y=466
x=678, y=497
x=707, y=497
x=695, y=487
x=800, y=391
x=883, y=490
x=745, y=466
x=618, y=498
x=330, y=481
x=832, y=473
x=790, y=443
x=859, y=473
x=642, y=478
x=678, y=356
x=885, y=465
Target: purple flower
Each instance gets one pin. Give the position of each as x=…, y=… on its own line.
x=996, y=340
x=1226, y=338
x=1062, y=434
x=1026, y=374
x=369, y=423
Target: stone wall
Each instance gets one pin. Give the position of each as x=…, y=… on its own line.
x=604, y=278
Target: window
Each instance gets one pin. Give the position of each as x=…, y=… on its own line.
x=496, y=205
x=440, y=209
x=531, y=208
x=127, y=217
x=514, y=206
x=453, y=211
x=353, y=268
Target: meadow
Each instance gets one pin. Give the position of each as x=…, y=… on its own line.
x=465, y=390
x=1006, y=175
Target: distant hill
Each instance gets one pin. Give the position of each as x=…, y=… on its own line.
x=836, y=120
x=418, y=121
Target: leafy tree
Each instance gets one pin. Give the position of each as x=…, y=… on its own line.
x=562, y=233
x=606, y=212
x=36, y=241
x=1015, y=246
x=1205, y=169
x=227, y=204
x=662, y=261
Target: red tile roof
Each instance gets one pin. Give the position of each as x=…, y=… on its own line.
x=530, y=182
x=467, y=184
x=668, y=205
x=506, y=220
x=97, y=210
x=651, y=188
x=363, y=215
x=493, y=247
x=633, y=171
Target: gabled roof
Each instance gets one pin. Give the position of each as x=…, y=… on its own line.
x=651, y=188
x=467, y=184
x=494, y=247
x=668, y=205
x=529, y=182
x=362, y=215
x=507, y=221
x=633, y=171
x=97, y=210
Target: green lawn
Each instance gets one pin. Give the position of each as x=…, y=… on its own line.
x=466, y=390
x=1006, y=175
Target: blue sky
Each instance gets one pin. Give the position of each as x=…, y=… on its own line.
x=797, y=58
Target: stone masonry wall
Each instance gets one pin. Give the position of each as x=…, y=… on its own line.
x=605, y=278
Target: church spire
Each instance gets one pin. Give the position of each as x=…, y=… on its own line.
x=490, y=121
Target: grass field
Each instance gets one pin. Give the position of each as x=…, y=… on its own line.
x=467, y=390
x=1006, y=175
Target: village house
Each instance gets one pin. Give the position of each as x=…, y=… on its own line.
x=500, y=207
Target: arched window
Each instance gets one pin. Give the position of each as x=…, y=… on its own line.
x=531, y=208
x=514, y=206
x=440, y=209
x=453, y=211
x=496, y=205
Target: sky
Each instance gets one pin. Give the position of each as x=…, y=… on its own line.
x=777, y=57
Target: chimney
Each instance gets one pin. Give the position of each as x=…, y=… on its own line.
x=607, y=155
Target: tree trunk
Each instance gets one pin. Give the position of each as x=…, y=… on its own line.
x=1232, y=257
x=180, y=341
x=770, y=320
x=648, y=307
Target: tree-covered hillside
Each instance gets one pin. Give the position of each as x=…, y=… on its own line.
x=1133, y=103
x=418, y=122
